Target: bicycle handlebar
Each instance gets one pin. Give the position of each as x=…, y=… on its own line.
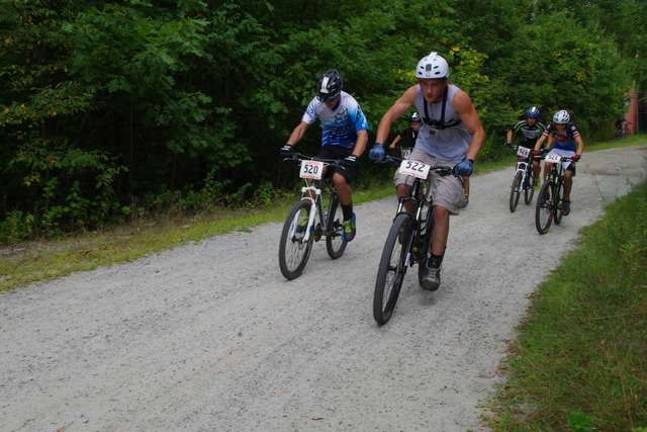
x=394, y=160
x=296, y=157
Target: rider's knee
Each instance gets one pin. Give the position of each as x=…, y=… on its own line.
x=402, y=190
x=339, y=180
x=440, y=213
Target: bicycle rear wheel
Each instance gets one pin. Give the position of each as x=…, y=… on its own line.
x=293, y=251
x=558, y=199
x=514, y=191
x=544, y=208
x=529, y=191
x=335, y=243
x=392, y=269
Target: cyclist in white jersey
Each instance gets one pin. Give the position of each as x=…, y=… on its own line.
x=451, y=134
x=343, y=136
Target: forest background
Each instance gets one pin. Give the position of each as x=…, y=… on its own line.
x=113, y=110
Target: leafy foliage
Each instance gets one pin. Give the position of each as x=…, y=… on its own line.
x=106, y=106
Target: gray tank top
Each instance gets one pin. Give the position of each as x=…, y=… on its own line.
x=448, y=143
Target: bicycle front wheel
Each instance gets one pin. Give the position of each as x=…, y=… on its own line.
x=293, y=250
x=335, y=243
x=392, y=269
x=544, y=208
x=515, y=191
x=529, y=191
x=558, y=199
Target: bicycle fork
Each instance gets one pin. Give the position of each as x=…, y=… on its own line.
x=306, y=192
x=523, y=167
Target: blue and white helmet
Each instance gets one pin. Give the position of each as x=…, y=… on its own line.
x=561, y=117
x=432, y=66
x=532, y=112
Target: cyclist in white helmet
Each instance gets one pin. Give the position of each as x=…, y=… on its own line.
x=565, y=140
x=451, y=134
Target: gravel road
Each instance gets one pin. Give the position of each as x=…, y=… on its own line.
x=210, y=337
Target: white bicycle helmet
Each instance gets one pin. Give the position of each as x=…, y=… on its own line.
x=561, y=117
x=432, y=66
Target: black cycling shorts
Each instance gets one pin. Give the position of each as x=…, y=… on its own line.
x=332, y=152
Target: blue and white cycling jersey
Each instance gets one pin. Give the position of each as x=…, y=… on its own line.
x=339, y=127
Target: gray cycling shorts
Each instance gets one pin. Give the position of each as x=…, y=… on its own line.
x=446, y=191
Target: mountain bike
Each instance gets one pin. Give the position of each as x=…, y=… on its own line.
x=523, y=179
x=550, y=198
x=408, y=240
x=306, y=222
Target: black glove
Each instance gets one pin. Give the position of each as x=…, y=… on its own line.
x=350, y=161
x=287, y=151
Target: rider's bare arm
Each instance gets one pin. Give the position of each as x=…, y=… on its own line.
x=540, y=142
x=398, y=109
x=508, y=136
x=395, y=142
x=360, y=144
x=580, y=144
x=297, y=133
x=466, y=111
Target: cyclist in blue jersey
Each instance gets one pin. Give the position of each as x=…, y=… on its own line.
x=344, y=134
x=565, y=140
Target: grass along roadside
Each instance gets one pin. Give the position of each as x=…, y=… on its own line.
x=580, y=360
x=48, y=259
x=43, y=260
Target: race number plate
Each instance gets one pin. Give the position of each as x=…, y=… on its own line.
x=523, y=151
x=415, y=169
x=311, y=169
x=553, y=158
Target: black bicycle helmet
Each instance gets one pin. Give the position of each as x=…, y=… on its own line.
x=329, y=85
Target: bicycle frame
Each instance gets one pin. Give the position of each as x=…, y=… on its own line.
x=523, y=166
x=413, y=197
x=556, y=173
x=311, y=188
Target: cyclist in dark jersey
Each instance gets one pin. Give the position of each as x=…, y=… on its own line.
x=407, y=138
x=529, y=130
x=565, y=140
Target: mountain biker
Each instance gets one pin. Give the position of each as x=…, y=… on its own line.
x=343, y=136
x=529, y=129
x=407, y=138
x=451, y=134
x=566, y=141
